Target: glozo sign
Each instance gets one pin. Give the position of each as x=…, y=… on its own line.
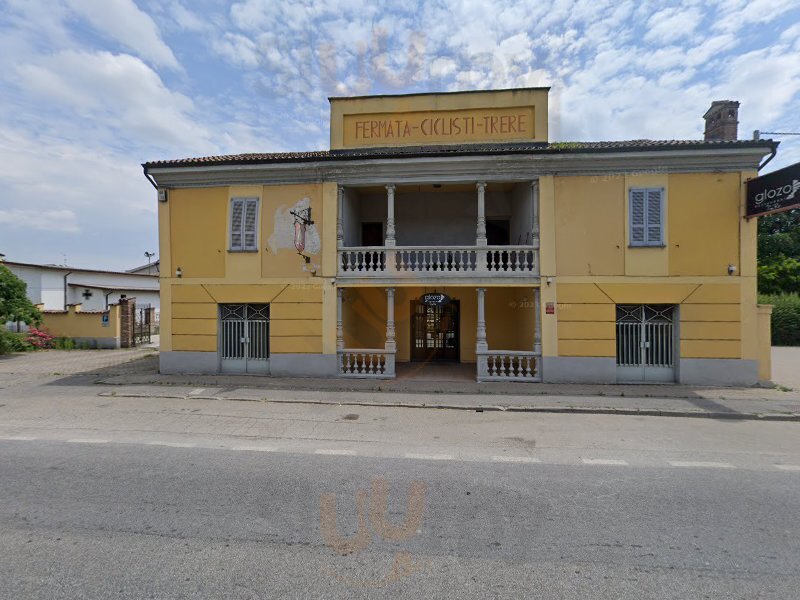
x=775, y=192
x=435, y=299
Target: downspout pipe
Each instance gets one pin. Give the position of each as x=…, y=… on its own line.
x=149, y=177
x=65, y=288
x=772, y=152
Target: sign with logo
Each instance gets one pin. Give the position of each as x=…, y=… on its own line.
x=435, y=299
x=105, y=319
x=550, y=308
x=774, y=192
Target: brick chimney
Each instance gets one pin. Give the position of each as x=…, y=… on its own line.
x=722, y=120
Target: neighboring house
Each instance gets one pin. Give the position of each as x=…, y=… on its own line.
x=445, y=228
x=57, y=287
x=148, y=269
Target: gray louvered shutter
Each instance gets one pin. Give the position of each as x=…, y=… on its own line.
x=637, y=217
x=251, y=224
x=655, y=226
x=237, y=214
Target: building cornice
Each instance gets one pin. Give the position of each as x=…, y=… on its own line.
x=460, y=168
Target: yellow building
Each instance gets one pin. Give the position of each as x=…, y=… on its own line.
x=444, y=228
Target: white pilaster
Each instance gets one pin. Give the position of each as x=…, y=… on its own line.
x=339, y=217
x=391, y=343
x=339, y=324
x=481, y=229
x=535, y=210
x=537, y=328
x=481, y=344
x=390, y=239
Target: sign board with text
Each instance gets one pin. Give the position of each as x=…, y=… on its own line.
x=774, y=192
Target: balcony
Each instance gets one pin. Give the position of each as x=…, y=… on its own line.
x=437, y=262
x=472, y=232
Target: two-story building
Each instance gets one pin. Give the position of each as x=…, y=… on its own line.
x=444, y=228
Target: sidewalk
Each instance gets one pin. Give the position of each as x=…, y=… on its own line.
x=677, y=401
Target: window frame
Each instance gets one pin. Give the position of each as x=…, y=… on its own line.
x=242, y=231
x=646, y=242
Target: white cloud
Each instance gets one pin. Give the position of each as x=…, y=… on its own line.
x=41, y=220
x=122, y=21
x=117, y=91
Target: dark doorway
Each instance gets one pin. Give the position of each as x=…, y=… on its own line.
x=372, y=234
x=435, y=332
x=498, y=232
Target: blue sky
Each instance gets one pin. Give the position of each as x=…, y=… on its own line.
x=89, y=89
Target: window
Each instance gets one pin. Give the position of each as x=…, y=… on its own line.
x=646, y=216
x=244, y=225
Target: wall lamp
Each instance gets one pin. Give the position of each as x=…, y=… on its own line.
x=548, y=280
x=178, y=272
x=731, y=269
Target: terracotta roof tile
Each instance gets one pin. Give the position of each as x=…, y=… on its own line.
x=450, y=149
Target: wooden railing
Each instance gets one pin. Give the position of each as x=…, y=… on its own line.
x=509, y=365
x=438, y=261
x=366, y=363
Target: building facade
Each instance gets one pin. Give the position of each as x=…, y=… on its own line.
x=444, y=228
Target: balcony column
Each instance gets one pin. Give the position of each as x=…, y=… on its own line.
x=481, y=345
x=390, y=241
x=339, y=218
x=391, y=343
x=537, y=315
x=339, y=324
x=481, y=230
x=535, y=211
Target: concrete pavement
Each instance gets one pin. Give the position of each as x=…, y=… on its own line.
x=82, y=520
x=195, y=496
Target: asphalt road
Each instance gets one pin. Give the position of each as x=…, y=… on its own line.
x=127, y=520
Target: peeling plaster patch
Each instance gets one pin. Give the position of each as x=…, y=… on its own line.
x=282, y=237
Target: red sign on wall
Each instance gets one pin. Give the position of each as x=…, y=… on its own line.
x=550, y=308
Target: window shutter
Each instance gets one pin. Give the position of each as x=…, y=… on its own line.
x=637, y=217
x=251, y=224
x=655, y=229
x=237, y=210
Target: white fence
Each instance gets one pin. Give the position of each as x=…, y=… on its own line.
x=366, y=363
x=437, y=261
x=509, y=365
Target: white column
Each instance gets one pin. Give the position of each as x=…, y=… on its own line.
x=537, y=328
x=390, y=241
x=481, y=230
x=391, y=344
x=339, y=217
x=339, y=324
x=481, y=345
x=535, y=210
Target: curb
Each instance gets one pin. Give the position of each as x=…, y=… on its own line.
x=581, y=410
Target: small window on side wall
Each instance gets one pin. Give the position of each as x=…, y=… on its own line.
x=243, y=230
x=646, y=217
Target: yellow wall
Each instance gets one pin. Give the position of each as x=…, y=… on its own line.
x=197, y=243
x=709, y=316
x=76, y=324
x=403, y=118
x=295, y=314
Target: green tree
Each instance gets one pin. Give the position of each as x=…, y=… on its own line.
x=779, y=253
x=14, y=303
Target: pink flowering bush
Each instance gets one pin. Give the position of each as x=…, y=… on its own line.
x=40, y=339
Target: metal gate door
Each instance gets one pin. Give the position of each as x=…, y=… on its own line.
x=244, y=338
x=646, y=344
x=435, y=331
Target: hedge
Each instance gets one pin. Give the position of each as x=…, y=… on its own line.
x=785, y=318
